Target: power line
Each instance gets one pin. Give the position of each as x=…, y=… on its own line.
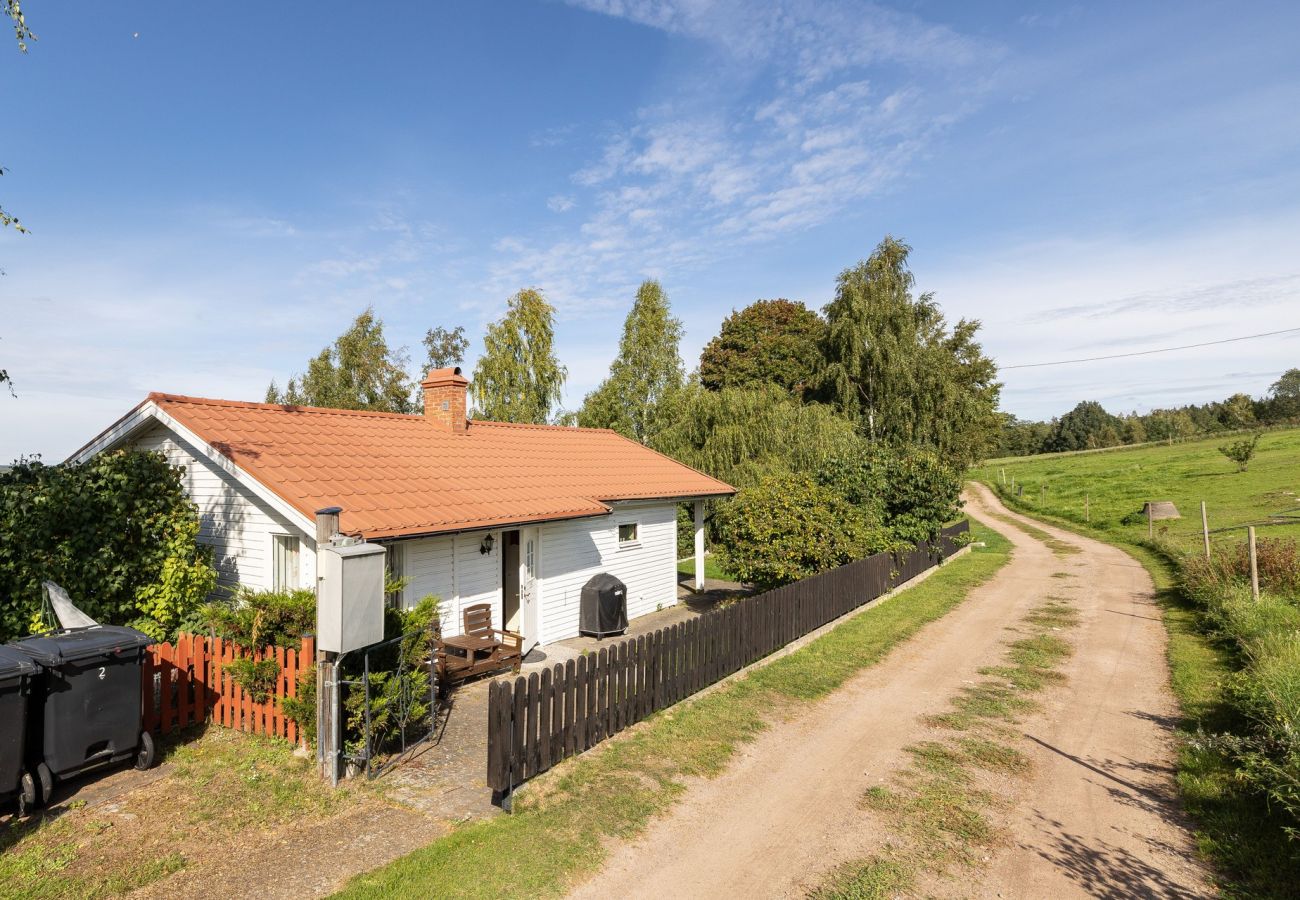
x=1066, y=362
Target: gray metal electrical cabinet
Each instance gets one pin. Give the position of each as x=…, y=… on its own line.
x=350, y=601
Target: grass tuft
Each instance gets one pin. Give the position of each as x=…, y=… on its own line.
x=936, y=803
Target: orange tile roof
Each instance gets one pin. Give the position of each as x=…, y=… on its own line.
x=398, y=475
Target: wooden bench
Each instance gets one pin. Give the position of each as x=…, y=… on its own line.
x=480, y=648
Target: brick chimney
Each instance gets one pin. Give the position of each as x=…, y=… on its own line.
x=444, y=399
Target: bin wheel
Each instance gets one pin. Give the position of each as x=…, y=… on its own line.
x=145, y=758
x=46, y=779
x=28, y=799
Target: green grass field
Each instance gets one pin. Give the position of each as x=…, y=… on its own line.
x=1117, y=483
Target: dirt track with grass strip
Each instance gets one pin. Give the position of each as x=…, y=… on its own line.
x=1092, y=812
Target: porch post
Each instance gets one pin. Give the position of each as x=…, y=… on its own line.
x=699, y=545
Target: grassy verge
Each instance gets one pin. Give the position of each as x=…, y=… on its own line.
x=220, y=786
x=561, y=822
x=937, y=808
x=1236, y=832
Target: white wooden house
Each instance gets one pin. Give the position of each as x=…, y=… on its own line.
x=518, y=516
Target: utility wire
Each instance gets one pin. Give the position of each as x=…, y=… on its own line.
x=1066, y=362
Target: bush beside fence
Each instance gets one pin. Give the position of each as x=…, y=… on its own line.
x=185, y=681
x=535, y=722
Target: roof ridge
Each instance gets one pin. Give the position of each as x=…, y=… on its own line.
x=540, y=426
x=163, y=396
x=157, y=396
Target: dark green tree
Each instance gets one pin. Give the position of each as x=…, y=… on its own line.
x=1086, y=427
x=647, y=369
x=518, y=378
x=1021, y=437
x=358, y=371
x=768, y=342
x=444, y=348
x=1284, y=396
x=893, y=365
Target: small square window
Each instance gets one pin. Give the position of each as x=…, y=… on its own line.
x=628, y=533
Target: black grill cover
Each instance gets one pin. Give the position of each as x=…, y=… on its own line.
x=604, y=606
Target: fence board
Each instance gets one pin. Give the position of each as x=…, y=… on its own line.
x=570, y=694
x=560, y=727
x=530, y=729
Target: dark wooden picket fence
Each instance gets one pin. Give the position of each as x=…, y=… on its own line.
x=535, y=722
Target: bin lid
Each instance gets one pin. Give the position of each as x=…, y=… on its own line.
x=13, y=663
x=82, y=643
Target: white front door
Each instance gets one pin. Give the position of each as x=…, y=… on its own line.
x=529, y=546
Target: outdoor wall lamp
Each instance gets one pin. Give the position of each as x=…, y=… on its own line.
x=488, y=543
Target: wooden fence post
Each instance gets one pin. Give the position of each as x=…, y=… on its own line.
x=1254, y=563
x=1151, y=521
x=1205, y=529
x=1087, y=512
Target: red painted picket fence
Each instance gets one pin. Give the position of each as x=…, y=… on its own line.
x=186, y=682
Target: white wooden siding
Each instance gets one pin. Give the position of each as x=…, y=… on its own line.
x=452, y=569
x=574, y=551
x=235, y=523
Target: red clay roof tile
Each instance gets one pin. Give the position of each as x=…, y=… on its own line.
x=400, y=475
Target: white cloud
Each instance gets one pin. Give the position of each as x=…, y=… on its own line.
x=560, y=203
x=795, y=112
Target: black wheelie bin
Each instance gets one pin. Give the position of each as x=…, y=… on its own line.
x=88, y=700
x=16, y=782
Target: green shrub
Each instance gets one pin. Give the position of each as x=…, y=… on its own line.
x=400, y=702
x=302, y=708
x=1242, y=452
x=1277, y=560
x=906, y=494
x=117, y=532
x=256, y=678
x=258, y=619
x=788, y=527
x=186, y=579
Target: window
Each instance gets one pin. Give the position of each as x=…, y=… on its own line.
x=393, y=571
x=629, y=533
x=284, y=562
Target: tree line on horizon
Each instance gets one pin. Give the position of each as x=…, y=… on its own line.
x=1089, y=426
x=845, y=429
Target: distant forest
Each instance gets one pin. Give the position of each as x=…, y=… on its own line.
x=1089, y=426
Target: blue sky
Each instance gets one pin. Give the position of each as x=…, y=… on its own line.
x=212, y=196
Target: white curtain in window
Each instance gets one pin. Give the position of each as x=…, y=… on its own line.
x=284, y=563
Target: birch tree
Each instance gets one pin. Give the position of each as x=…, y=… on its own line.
x=893, y=365
x=358, y=371
x=518, y=378
x=647, y=369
